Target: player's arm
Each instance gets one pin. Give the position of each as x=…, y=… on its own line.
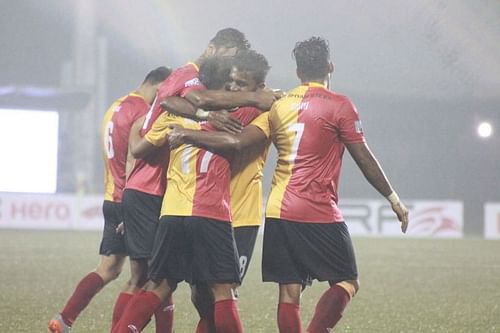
x=220, y=99
x=221, y=120
x=373, y=172
x=218, y=142
x=138, y=146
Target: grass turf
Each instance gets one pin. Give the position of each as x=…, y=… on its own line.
x=407, y=285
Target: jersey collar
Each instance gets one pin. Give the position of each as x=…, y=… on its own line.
x=314, y=84
x=194, y=65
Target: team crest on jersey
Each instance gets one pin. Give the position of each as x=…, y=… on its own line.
x=192, y=83
x=358, y=127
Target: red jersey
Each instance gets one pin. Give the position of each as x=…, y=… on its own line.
x=148, y=174
x=116, y=125
x=309, y=127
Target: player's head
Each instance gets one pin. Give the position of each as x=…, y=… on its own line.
x=214, y=72
x=249, y=71
x=157, y=75
x=313, y=59
x=152, y=82
x=226, y=43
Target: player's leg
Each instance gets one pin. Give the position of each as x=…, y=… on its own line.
x=143, y=305
x=112, y=250
x=203, y=301
x=138, y=277
x=280, y=265
x=334, y=261
x=215, y=261
x=166, y=268
x=108, y=269
x=289, y=308
x=140, y=215
x=331, y=305
x=226, y=315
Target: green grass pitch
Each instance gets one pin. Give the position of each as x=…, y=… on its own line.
x=407, y=285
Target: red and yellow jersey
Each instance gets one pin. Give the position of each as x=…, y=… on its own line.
x=148, y=174
x=246, y=178
x=309, y=127
x=115, y=130
x=198, y=180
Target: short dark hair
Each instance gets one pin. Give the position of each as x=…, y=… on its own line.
x=229, y=38
x=312, y=57
x=214, y=72
x=254, y=62
x=158, y=75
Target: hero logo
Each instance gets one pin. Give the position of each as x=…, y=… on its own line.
x=192, y=83
x=39, y=211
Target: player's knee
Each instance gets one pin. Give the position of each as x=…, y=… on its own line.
x=109, y=273
x=221, y=291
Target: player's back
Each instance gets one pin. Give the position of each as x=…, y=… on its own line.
x=198, y=180
x=115, y=130
x=309, y=127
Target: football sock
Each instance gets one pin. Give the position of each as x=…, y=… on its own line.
x=329, y=309
x=138, y=312
x=289, y=318
x=120, y=304
x=164, y=317
x=226, y=316
x=90, y=285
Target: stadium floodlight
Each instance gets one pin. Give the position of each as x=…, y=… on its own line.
x=484, y=130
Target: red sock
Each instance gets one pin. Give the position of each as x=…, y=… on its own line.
x=120, y=304
x=138, y=312
x=164, y=317
x=90, y=285
x=329, y=309
x=227, y=318
x=289, y=318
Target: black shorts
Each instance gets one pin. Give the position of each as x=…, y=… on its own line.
x=141, y=212
x=194, y=249
x=112, y=243
x=245, y=242
x=301, y=252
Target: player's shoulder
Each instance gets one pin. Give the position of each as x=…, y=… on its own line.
x=184, y=76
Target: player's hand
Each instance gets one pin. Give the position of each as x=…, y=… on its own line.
x=175, y=136
x=266, y=97
x=223, y=121
x=120, y=229
x=402, y=213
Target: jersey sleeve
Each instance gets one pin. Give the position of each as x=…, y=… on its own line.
x=262, y=122
x=158, y=133
x=349, y=124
